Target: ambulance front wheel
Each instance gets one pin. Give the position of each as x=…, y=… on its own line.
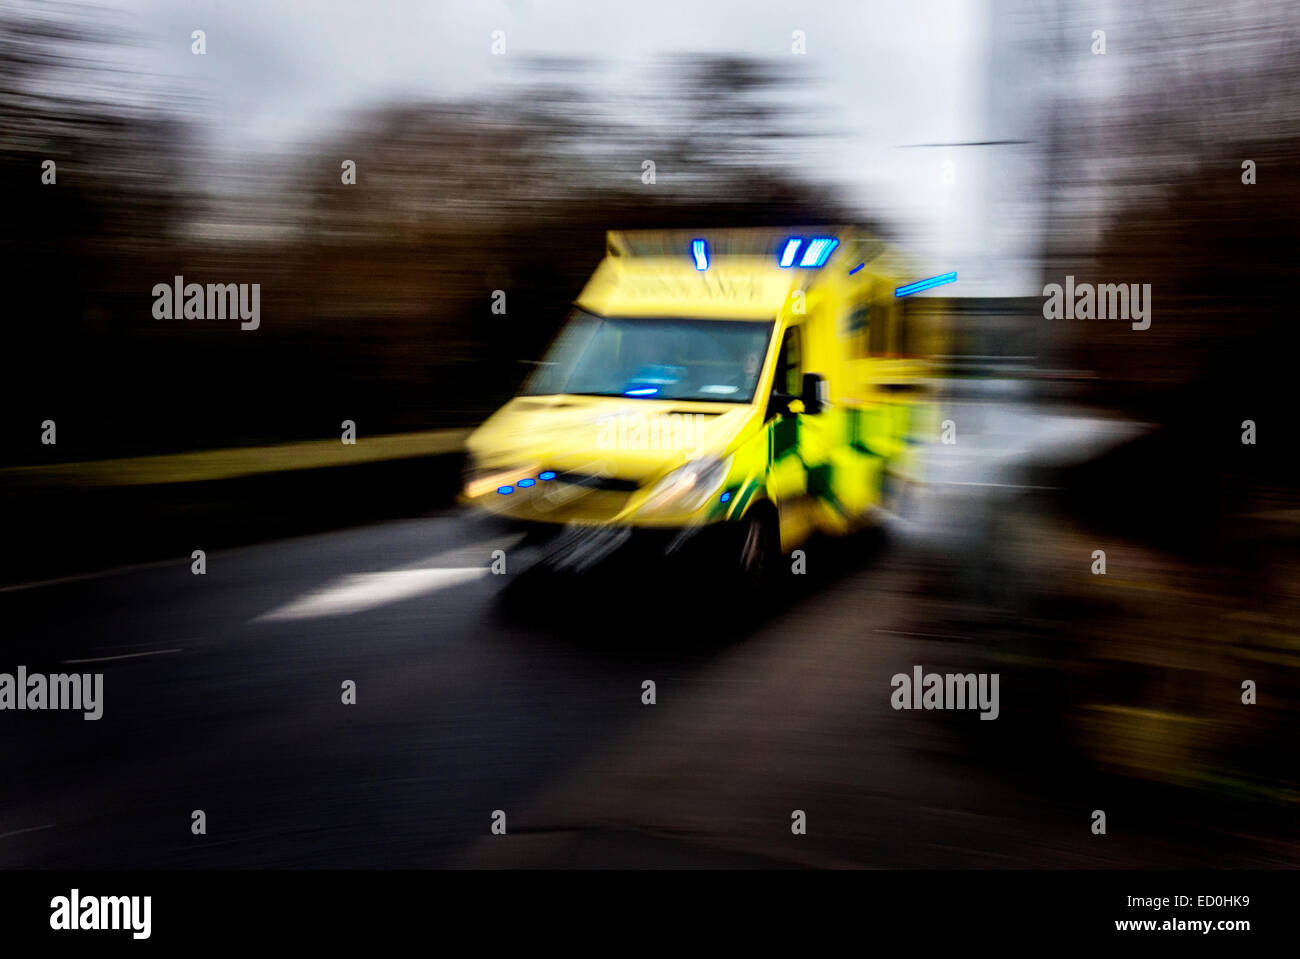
x=760, y=548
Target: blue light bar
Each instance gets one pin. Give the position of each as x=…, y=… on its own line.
x=819, y=248
x=700, y=250
x=725, y=497
x=548, y=475
x=920, y=285
x=505, y=490
x=525, y=483
x=791, y=249
x=642, y=391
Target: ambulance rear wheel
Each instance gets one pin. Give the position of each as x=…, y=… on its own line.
x=896, y=494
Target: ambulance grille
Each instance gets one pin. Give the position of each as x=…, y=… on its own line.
x=596, y=481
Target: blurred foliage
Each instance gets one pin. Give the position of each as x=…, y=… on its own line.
x=70, y=250
x=1147, y=186
x=1202, y=532
x=375, y=297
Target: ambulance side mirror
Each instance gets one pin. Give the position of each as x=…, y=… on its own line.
x=816, y=393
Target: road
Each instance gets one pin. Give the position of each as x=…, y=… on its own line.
x=223, y=692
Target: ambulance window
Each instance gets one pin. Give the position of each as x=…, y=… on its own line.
x=880, y=330
x=857, y=329
x=789, y=365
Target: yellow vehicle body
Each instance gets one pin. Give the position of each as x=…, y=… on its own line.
x=715, y=452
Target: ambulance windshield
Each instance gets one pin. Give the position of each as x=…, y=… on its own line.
x=673, y=359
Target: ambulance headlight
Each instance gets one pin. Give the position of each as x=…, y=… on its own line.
x=689, y=487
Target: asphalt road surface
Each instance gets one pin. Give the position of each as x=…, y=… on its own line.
x=223, y=693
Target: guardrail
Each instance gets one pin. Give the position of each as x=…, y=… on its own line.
x=69, y=518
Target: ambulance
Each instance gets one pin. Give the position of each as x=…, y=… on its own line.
x=723, y=393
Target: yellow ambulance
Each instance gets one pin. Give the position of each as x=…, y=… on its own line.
x=742, y=389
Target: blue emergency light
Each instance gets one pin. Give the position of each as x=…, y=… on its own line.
x=920, y=285
x=815, y=254
x=700, y=250
x=819, y=248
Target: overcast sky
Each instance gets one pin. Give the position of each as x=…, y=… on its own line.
x=889, y=76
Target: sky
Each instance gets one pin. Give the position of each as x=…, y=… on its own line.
x=889, y=76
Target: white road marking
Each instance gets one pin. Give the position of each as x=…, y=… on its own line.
x=469, y=553
x=97, y=574
x=20, y=832
x=495, y=543
x=352, y=594
x=109, y=659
